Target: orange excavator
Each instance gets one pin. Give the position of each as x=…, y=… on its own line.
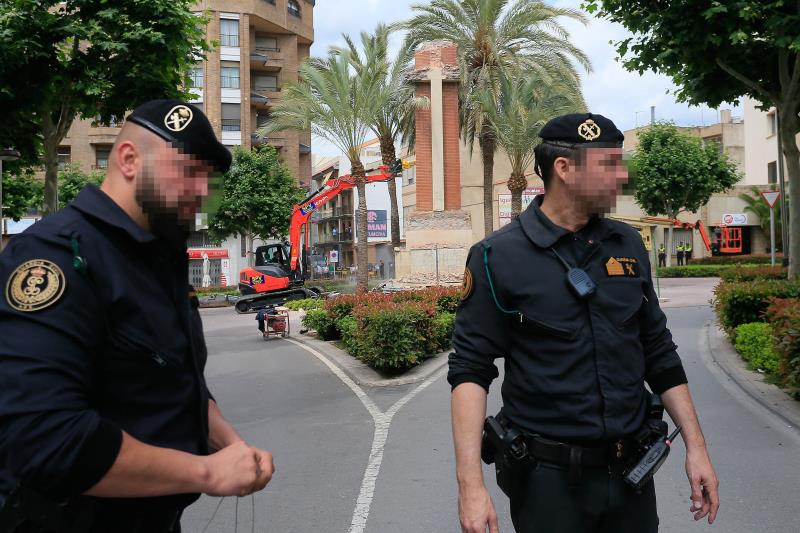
x=279, y=272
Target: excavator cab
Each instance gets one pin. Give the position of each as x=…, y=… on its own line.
x=271, y=281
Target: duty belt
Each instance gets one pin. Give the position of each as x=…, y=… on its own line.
x=575, y=456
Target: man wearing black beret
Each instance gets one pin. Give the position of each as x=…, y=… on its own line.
x=566, y=298
x=106, y=422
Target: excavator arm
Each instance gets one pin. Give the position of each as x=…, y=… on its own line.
x=329, y=190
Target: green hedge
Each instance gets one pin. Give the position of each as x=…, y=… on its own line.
x=693, y=271
x=754, y=273
x=784, y=317
x=322, y=323
x=753, y=259
x=390, y=332
x=739, y=303
x=307, y=304
x=754, y=344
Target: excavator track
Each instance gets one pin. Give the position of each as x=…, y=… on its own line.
x=252, y=303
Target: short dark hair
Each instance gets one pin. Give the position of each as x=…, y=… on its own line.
x=547, y=152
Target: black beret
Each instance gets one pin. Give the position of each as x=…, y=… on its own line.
x=186, y=127
x=586, y=129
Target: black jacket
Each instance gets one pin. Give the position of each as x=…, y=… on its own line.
x=574, y=369
x=120, y=349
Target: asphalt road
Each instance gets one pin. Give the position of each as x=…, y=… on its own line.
x=285, y=399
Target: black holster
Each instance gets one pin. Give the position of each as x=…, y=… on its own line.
x=505, y=447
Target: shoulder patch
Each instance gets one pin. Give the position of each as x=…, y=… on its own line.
x=467, y=284
x=35, y=285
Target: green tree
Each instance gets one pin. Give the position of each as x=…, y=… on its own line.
x=494, y=36
x=394, y=103
x=258, y=196
x=524, y=104
x=756, y=205
x=22, y=192
x=676, y=172
x=72, y=180
x=88, y=58
x=334, y=103
x=718, y=52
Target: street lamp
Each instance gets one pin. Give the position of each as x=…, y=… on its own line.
x=6, y=154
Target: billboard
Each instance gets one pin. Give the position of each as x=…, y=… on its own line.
x=377, y=226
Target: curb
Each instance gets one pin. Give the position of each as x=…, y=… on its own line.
x=367, y=376
x=769, y=396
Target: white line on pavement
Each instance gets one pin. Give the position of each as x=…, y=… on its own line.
x=382, y=423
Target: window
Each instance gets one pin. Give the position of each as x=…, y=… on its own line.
x=231, y=117
x=101, y=154
x=772, y=123
x=98, y=122
x=294, y=8
x=228, y=32
x=265, y=82
x=772, y=172
x=230, y=77
x=267, y=44
x=196, y=76
x=64, y=157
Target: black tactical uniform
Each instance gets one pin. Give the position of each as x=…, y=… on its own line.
x=575, y=369
x=99, y=333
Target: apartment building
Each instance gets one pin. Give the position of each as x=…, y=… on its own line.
x=261, y=45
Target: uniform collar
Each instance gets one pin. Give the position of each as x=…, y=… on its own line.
x=97, y=204
x=544, y=233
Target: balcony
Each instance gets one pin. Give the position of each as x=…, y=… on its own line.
x=336, y=212
x=266, y=59
x=343, y=238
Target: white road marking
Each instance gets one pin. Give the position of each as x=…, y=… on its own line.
x=382, y=421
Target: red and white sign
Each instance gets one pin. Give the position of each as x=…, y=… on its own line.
x=771, y=197
x=212, y=253
x=734, y=219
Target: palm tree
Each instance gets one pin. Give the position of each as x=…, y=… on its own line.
x=492, y=37
x=757, y=206
x=394, y=105
x=330, y=100
x=517, y=113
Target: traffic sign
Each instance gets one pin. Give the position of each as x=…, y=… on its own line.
x=771, y=197
x=334, y=257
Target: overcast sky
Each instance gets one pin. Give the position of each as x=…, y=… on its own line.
x=610, y=90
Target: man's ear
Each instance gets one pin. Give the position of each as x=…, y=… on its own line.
x=127, y=159
x=561, y=168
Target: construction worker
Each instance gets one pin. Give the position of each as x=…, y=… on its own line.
x=662, y=256
x=680, y=253
x=687, y=252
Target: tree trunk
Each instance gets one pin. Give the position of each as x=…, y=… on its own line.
x=388, y=156
x=50, y=147
x=488, y=147
x=251, y=254
x=517, y=185
x=789, y=126
x=669, y=244
x=362, y=279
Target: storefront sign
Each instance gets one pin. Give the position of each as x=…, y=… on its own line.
x=212, y=253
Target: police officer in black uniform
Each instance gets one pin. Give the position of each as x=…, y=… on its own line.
x=106, y=422
x=576, y=359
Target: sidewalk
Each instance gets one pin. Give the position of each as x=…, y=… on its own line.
x=753, y=383
x=358, y=371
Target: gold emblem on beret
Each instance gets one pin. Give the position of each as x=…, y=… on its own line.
x=589, y=130
x=35, y=285
x=467, y=284
x=178, y=118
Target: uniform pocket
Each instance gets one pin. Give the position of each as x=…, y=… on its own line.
x=536, y=326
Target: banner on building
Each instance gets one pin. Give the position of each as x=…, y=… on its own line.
x=504, y=203
x=377, y=227
x=212, y=253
